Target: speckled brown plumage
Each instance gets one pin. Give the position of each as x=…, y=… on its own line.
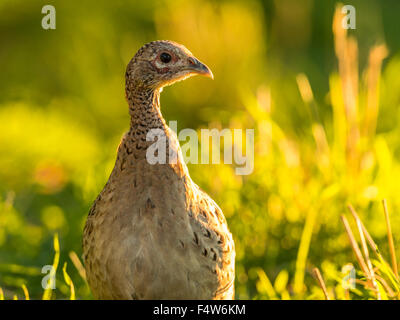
x=152, y=233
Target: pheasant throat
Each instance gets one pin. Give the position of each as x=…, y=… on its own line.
x=145, y=113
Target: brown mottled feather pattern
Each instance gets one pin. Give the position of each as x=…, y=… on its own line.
x=152, y=233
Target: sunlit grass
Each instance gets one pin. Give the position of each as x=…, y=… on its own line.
x=378, y=279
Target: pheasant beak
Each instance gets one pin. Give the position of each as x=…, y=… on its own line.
x=197, y=67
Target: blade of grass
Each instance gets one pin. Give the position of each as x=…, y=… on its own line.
x=48, y=291
x=376, y=56
x=321, y=282
x=385, y=269
x=303, y=251
x=371, y=274
x=266, y=284
x=69, y=282
x=388, y=289
x=354, y=245
x=26, y=292
x=390, y=240
x=78, y=264
x=366, y=233
x=307, y=95
x=381, y=289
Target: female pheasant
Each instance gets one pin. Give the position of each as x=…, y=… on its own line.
x=152, y=233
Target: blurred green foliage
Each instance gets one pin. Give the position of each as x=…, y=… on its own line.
x=63, y=112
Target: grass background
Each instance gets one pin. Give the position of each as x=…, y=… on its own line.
x=324, y=105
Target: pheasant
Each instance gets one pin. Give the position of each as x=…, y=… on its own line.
x=152, y=233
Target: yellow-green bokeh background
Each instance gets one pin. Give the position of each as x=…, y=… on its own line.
x=63, y=112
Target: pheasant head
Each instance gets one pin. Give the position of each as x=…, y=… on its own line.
x=161, y=63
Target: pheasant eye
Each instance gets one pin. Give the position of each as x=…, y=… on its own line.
x=165, y=57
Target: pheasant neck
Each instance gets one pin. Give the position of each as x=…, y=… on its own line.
x=144, y=109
